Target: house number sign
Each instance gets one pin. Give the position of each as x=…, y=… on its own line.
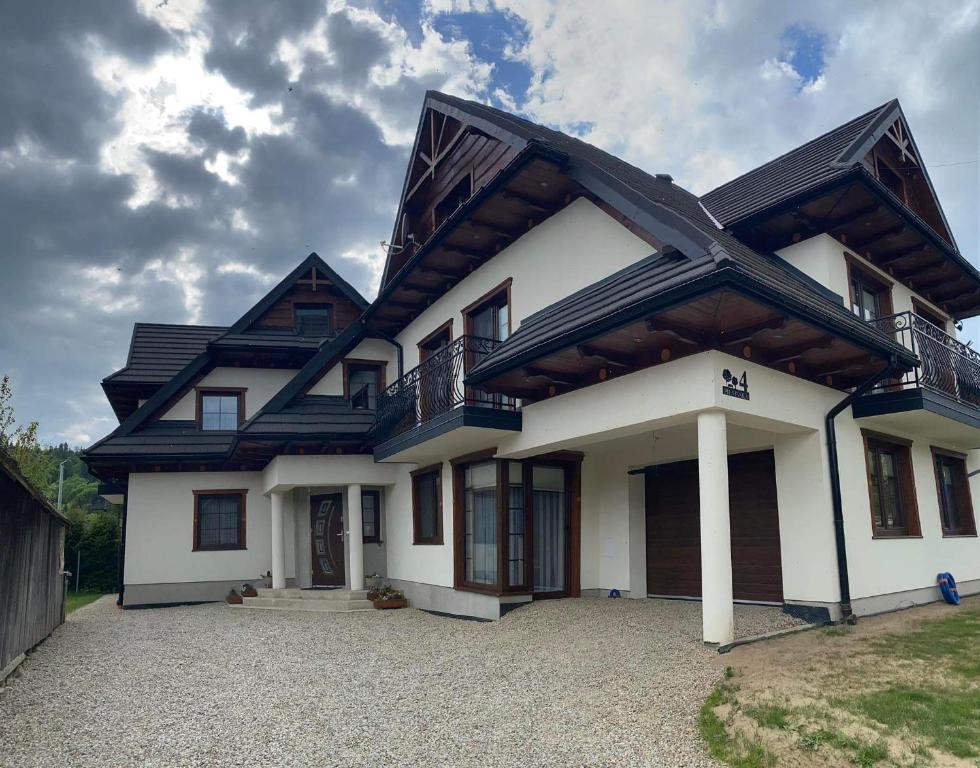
x=734, y=385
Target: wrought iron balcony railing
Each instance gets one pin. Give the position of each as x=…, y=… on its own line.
x=946, y=365
x=435, y=387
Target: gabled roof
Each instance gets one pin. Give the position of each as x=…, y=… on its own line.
x=667, y=211
x=158, y=351
x=313, y=261
x=812, y=164
x=834, y=155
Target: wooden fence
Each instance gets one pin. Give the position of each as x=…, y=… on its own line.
x=32, y=552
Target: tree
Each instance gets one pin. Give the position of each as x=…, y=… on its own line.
x=20, y=443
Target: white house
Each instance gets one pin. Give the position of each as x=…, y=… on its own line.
x=579, y=377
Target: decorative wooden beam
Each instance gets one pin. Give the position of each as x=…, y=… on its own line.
x=440, y=272
x=556, y=378
x=952, y=291
x=890, y=257
x=841, y=365
x=747, y=332
x=796, y=351
x=422, y=289
x=497, y=230
x=843, y=221
x=610, y=358
x=877, y=237
x=471, y=255
x=542, y=206
x=681, y=332
x=925, y=267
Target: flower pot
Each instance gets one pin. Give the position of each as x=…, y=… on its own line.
x=233, y=598
x=383, y=605
x=249, y=591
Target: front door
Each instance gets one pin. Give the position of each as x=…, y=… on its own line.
x=327, y=540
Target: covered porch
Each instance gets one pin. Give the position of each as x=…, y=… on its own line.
x=328, y=522
x=689, y=493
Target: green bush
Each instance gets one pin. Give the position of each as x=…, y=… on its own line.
x=96, y=536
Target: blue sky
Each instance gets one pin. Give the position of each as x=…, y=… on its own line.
x=170, y=162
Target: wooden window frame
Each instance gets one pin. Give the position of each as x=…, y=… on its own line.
x=241, y=545
x=470, y=309
x=929, y=314
x=865, y=274
x=969, y=528
x=376, y=539
x=906, y=480
x=571, y=462
x=201, y=392
x=423, y=345
x=381, y=366
x=417, y=475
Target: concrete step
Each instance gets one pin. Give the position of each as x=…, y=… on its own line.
x=299, y=604
x=295, y=593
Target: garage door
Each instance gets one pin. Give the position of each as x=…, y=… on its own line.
x=673, y=528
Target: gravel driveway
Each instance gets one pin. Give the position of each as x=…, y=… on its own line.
x=560, y=682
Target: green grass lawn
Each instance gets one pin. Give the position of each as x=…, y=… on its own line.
x=902, y=699
x=76, y=600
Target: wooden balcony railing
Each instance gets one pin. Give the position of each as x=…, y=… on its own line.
x=946, y=365
x=435, y=387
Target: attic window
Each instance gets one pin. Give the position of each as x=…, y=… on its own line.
x=313, y=319
x=453, y=199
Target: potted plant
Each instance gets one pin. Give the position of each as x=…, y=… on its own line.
x=373, y=581
x=249, y=591
x=233, y=598
x=387, y=597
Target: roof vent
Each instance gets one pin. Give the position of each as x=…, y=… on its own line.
x=665, y=177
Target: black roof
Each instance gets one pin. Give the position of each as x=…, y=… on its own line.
x=675, y=216
x=158, y=351
x=813, y=164
x=313, y=415
x=164, y=439
x=267, y=339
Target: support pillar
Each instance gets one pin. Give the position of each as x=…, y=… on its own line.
x=355, y=537
x=278, y=542
x=717, y=611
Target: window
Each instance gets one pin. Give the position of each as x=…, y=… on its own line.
x=871, y=296
x=371, y=516
x=480, y=523
x=516, y=524
x=953, y=485
x=221, y=410
x=313, y=319
x=458, y=195
x=219, y=519
x=890, y=486
x=488, y=318
x=928, y=315
x=427, y=505
x=363, y=380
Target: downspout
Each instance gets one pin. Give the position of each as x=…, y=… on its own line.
x=842, y=575
x=122, y=549
x=398, y=348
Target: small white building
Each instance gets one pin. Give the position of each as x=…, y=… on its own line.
x=579, y=377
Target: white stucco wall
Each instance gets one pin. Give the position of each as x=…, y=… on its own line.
x=262, y=384
x=574, y=248
x=332, y=382
x=160, y=530
x=822, y=258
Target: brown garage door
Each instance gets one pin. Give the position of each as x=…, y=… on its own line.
x=673, y=528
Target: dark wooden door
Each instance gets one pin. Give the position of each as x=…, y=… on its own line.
x=327, y=540
x=674, y=530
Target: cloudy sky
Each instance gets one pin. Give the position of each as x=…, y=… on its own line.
x=169, y=161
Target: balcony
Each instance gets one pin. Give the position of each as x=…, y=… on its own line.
x=430, y=401
x=946, y=381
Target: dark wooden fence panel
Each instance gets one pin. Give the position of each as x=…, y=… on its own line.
x=32, y=545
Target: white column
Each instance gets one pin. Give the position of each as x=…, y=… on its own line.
x=278, y=542
x=355, y=537
x=717, y=612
